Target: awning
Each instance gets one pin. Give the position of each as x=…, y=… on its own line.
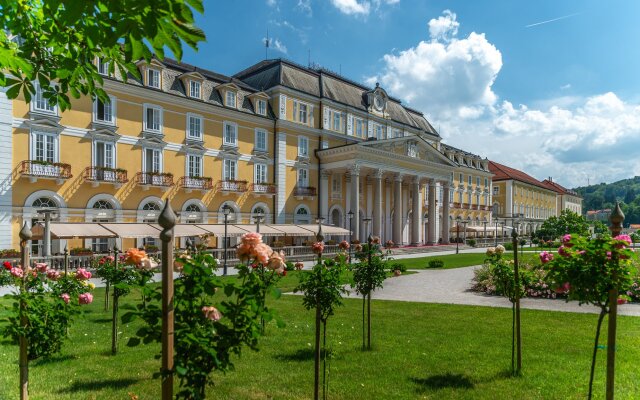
x=218, y=230
x=326, y=229
x=72, y=231
x=132, y=230
x=183, y=230
x=292, y=230
x=265, y=230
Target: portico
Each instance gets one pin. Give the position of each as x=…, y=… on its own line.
x=403, y=181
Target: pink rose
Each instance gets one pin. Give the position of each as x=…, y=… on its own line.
x=211, y=313
x=41, y=267
x=623, y=238
x=344, y=245
x=318, y=247
x=276, y=262
x=545, y=257
x=147, y=264
x=251, y=238
x=82, y=274
x=562, y=250
x=566, y=239
x=53, y=274
x=357, y=248
x=85, y=298
x=17, y=272
x=65, y=297
x=261, y=253
x=622, y=300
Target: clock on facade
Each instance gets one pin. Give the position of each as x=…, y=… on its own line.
x=378, y=102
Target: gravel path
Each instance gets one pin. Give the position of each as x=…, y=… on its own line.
x=451, y=286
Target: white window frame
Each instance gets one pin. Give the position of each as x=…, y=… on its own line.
x=160, y=159
x=37, y=97
x=226, y=142
x=200, y=134
x=188, y=159
x=359, y=124
x=102, y=67
x=195, y=89
x=159, y=76
x=258, y=132
x=113, y=105
x=230, y=162
x=302, y=178
x=95, y=153
x=303, y=146
x=296, y=112
x=56, y=144
x=261, y=107
x=496, y=190
x=228, y=95
x=161, y=117
x=257, y=178
x=336, y=183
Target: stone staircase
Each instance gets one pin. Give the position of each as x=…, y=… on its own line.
x=426, y=249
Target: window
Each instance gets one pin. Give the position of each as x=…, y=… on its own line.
x=230, y=134
x=470, y=180
x=336, y=122
x=303, y=146
x=153, y=78
x=230, y=98
x=379, y=131
x=104, y=111
x=336, y=184
x=44, y=202
x=301, y=112
x=261, y=140
x=260, y=174
x=102, y=66
x=153, y=118
x=194, y=89
x=469, y=198
x=486, y=182
x=461, y=180
x=496, y=190
x=41, y=103
x=151, y=206
x=102, y=205
x=44, y=147
x=104, y=155
x=152, y=160
x=194, y=126
x=303, y=177
x=451, y=197
x=262, y=107
x=194, y=165
x=478, y=181
x=229, y=170
x=359, y=128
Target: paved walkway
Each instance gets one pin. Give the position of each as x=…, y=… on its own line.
x=451, y=286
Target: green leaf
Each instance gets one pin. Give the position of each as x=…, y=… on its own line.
x=134, y=341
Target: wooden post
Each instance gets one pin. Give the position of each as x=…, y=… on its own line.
x=167, y=221
x=316, y=381
x=66, y=260
x=25, y=235
x=370, y=240
x=616, y=218
x=114, y=315
x=516, y=275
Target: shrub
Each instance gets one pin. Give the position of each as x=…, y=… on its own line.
x=9, y=253
x=289, y=266
x=398, y=267
x=471, y=242
x=508, y=246
x=80, y=251
x=436, y=263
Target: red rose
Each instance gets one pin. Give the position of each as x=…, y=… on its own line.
x=7, y=265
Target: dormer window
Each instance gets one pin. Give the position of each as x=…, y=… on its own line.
x=153, y=78
x=262, y=107
x=230, y=99
x=194, y=89
x=103, y=66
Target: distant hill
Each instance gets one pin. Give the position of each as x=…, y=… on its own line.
x=604, y=195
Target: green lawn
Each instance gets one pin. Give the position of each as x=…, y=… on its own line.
x=459, y=260
x=421, y=351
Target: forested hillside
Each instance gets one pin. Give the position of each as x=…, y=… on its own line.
x=604, y=195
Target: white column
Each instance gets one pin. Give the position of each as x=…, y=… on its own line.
x=377, y=204
x=508, y=197
x=397, y=210
x=324, y=195
x=281, y=178
x=431, y=228
x=387, y=211
x=445, y=214
x=6, y=167
x=355, y=201
x=416, y=214
x=369, y=200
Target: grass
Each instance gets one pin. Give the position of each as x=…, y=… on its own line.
x=420, y=351
x=459, y=260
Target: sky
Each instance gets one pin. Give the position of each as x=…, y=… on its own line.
x=548, y=87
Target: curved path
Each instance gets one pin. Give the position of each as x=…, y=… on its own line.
x=452, y=286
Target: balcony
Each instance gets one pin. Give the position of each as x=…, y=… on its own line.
x=163, y=180
x=267, y=189
x=231, y=186
x=457, y=205
x=35, y=170
x=98, y=175
x=190, y=183
x=304, y=191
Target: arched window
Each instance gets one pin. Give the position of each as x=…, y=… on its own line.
x=151, y=206
x=192, y=208
x=335, y=217
x=44, y=202
x=102, y=205
x=302, y=216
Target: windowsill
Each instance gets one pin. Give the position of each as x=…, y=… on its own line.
x=230, y=145
x=195, y=139
x=147, y=132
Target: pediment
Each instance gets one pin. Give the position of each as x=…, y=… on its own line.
x=193, y=148
x=151, y=142
x=46, y=123
x=104, y=134
x=410, y=147
x=229, y=152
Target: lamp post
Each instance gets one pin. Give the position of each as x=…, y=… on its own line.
x=485, y=231
x=259, y=218
x=350, y=215
x=464, y=226
x=495, y=234
x=226, y=210
x=366, y=221
x=457, y=236
x=46, y=237
x=503, y=223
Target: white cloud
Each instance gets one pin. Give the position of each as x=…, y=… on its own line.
x=569, y=138
x=276, y=44
x=272, y=3
x=352, y=7
x=305, y=7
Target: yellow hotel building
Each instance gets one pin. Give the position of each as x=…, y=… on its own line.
x=280, y=139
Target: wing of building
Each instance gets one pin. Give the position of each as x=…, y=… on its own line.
x=278, y=139
x=566, y=199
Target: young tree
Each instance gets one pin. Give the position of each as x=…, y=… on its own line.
x=58, y=41
x=567, y=222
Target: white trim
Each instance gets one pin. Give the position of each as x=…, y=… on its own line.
x=188, y=130
x=197, y=202
x=146, y=77
x=236, y=211
x=47, y=132
x=34, y=99
x=114, y=108
x=264, y=206
x=146, y=106
x=224, y=133
x=91, y=213
x=144, y=158
x=6, y=167
x=266, y=139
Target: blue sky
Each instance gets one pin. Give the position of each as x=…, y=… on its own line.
x=557, y=98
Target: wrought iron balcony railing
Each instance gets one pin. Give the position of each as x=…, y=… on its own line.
x=263, y=188
x=195, y=182
x=304, y=191
x=105, y=174
x=154, y=179
x=43, y=169
x=232, y=186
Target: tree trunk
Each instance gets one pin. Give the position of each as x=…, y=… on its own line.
x=369, y=321
x=363, y=323
x=114, y=324
x=324, y=360
x=24, y=355
x=603, y=312
x=106, y=296
x=316, y=387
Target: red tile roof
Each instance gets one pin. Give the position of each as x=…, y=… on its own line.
x=556, y=187
x=503, y=173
